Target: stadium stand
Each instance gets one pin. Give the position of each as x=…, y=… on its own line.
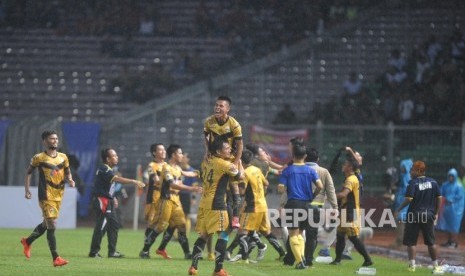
x=66, y=64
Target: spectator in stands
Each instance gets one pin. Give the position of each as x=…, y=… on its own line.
x=432, y=49
x=453, y=206
x=457, y=45
x=422, y=68
x=420, y=115
x=397, y=60
x=285, y=116
x=406, y=109
x=204, y=21
x=352, y=10
x=395, y=77
x=352, y=86
x=389, y=106
x=337, y=12
x=146, y=25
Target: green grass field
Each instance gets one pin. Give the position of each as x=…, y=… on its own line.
x=73, y=245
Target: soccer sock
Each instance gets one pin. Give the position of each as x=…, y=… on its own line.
x=220, y=249
x=52, y=243
x=302, y=246
x=150, y=236
x=233, y=244
x=310, y=245
x=289, y=258
x=284, y=234
x=275, y=243
x=36, y=233
x=256, y=238
x=166, y=238
x=244, y=246
x=340, y=244
x=296, y=248
x=184, y=242
x=435, y=263
x=412, y=262
x=252, y=246
x=199, y=245
x=360, y=247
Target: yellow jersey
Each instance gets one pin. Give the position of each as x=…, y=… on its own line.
x=230, y=130
x=51, y=175
x=215, y=175
x=351, y=202
x=153, y=189
x=254, y=184
x=170, y=174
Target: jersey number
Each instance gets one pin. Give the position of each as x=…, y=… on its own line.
x=209, y=177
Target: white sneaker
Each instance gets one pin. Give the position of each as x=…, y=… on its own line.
x=236, y=258
x=261, y=253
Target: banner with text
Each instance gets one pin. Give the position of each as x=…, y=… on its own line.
x=276, y=142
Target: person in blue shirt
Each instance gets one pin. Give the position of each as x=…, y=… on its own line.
x=423, y=197
x=296, y=180
x=454, y=198
x=404, y=178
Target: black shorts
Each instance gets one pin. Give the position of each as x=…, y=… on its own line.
x=412, y=229
x=294, y=209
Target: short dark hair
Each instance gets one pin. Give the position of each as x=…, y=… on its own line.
x=246, y=157
x=295, y=140
x=104, y=154
x=312, y=155
x=253, y=148
x=224, y=98
x=298, y=150
x=217, y=144
x=172, y=149
x=47, y=133
x=153, y=147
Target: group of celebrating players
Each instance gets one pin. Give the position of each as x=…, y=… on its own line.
x=232, y=197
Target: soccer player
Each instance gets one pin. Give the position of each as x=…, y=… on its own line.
x=350, y=213
x=255, y=215
x=424, y=196
x=213, y=216
x=103, y=204
x=169, y=211
x=296, y=180
x=54, y=172
x=259, y=160
x=221, y=125
x=154, y=171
